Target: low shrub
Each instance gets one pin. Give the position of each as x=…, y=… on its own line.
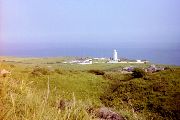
x=138, y=73
x=12, y=66
x=97, y=72
x=61, y=71
x=117, y=76
x=50, y=63
x=58, y=62
x=157, y=97
x=37, y=71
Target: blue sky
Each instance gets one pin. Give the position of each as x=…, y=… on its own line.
x=90, y=23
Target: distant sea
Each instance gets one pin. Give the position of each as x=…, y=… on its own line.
x=154, y=55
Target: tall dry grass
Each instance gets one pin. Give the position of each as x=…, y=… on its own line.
x=19, y=100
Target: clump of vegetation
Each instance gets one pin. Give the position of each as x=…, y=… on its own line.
x=58, y=62
x=97, y=72
x=50, y=63
x=59, y=71
x=168, y=68
x=157, y=97
x=12, y=66
x=4, y=75
x=138, y=73
x=117, y=76
x=38, y=71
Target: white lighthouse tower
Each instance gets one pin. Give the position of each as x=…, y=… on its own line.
x=115, y=56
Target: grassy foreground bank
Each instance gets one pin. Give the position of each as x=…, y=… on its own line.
x=34, y=92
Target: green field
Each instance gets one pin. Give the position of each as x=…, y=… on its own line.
x=36, y=86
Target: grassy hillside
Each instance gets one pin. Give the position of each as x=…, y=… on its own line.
x=33, y=93
x=35, y=90
x=156, y=96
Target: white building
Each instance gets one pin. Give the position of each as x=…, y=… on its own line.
x=85, y=62
x=115, y=56
x=112, y=61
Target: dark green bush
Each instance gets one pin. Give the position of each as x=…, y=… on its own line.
x=158, y=97
x=61, y=71
x=12, y=66
x=58, y=62
x=97, y=72
x=4, y=75
x=117, y=76
x=50, y=63
x=138, y=73
x=37, y=71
